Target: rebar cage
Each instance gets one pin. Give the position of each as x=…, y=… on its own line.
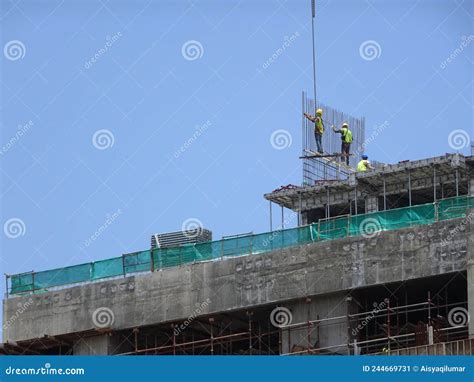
x=317, y=169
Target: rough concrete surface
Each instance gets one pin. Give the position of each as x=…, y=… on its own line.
x=244, y=282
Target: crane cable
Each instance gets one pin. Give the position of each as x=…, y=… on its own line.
x=313, y=15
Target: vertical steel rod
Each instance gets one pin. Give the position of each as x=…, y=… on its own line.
x=299, y=208
x=313, y=15
x=457, y=182
x=434, y=184
x=409, y=188
x=282, y=218
x=271, y=227
x=355, y=200
x=384, y=194
x=328, y=211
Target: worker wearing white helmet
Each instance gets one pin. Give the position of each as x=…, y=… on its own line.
x=346, y=140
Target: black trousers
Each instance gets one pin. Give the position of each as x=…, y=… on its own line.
x=345, y=151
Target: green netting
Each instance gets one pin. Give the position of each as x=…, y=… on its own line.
x=368, y=224
x=325, y=229
x=137, y=262
x=107, y=268
x=62, y=276
x=454, y=207
x=330, y=229
x=22, y=282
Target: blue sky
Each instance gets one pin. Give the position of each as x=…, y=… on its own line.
x=188, y=100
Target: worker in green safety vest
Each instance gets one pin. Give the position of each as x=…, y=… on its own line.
x=364, y=164
x=346, y=140
x=317, y=119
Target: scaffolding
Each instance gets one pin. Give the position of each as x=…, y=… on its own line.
x=395, y=326
x=393, y=337
x=406, y=183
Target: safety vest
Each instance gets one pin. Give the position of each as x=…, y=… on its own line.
x=362, y=165
x=319, y=125
x=346, y=135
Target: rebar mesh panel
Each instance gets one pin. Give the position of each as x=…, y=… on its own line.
x=316, y=169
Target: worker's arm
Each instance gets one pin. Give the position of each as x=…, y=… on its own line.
x=336, y=130
x=310, y=117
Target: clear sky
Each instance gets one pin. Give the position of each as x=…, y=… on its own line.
x=140, y=115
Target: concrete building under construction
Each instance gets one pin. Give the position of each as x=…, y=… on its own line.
x=381, y=262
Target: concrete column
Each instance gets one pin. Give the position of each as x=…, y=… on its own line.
x=470, y=294
x=470, y=270
x=331, y=334
x=471, y=187
x=371, y=203
x=103, y=344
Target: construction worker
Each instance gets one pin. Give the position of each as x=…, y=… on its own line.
x=346, y=140
x=364, y=164
x=318, y=128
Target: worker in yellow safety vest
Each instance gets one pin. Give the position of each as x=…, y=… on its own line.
x=346, y=138
x=318, y=128
x=364, y=164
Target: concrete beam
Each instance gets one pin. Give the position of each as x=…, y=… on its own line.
x=244, y=282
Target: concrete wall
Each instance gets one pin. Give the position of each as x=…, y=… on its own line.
x=328, y=334
x=240, y=282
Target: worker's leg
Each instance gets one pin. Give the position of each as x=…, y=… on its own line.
x=318, y=142
x=343, y=152
x=348, y=151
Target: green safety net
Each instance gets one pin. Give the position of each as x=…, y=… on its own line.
x=62, y=276
x=326, y=229
x=107, y=268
